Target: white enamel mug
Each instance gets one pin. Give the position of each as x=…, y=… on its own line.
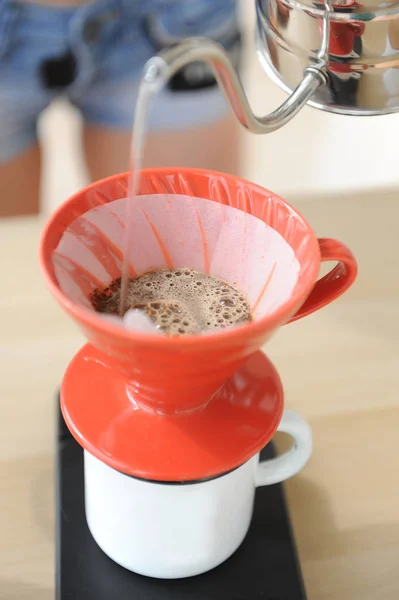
x=182, y=529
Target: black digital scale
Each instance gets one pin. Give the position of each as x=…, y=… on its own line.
x=265, y=567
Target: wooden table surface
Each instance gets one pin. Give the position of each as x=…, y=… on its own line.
x=340, y=369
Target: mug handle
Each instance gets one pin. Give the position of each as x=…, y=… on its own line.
x=275, y=470
x=335, y=283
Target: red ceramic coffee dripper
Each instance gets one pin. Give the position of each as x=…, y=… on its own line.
x=81, y=249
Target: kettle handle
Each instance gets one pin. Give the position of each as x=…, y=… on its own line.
x=335, y=283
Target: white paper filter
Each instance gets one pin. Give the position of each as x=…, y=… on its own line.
x=176, y=231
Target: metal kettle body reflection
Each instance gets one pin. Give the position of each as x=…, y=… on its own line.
x=341, y=57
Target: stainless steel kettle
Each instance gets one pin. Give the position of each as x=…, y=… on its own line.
x=341, y=57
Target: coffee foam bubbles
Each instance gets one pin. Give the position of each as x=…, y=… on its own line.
x=179, y=302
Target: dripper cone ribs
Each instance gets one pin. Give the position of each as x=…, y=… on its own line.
x=177, y=232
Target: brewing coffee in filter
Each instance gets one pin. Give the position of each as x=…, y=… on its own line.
x=175, y=232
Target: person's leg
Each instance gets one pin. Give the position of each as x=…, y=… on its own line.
x=26, y=42
x=19, y=150
x=107, y=150
x=20, y=184
x=213, y=146
x=190, y=122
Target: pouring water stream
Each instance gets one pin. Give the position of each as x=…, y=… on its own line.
x=153, y=80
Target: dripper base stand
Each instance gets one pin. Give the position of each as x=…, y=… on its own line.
x=265, y=566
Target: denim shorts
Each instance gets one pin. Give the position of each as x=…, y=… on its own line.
x=93, y=55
